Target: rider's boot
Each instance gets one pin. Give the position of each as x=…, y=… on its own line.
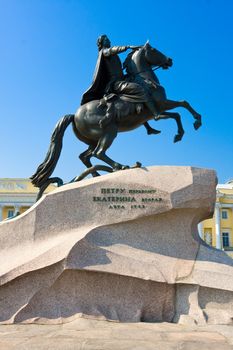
x=152, y=108
x=109, y=116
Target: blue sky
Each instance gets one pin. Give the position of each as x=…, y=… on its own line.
x=48, y=54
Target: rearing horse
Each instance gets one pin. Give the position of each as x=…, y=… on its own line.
x=85, y=121
x=139, y=65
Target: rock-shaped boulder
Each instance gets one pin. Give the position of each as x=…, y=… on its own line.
x=123, y=247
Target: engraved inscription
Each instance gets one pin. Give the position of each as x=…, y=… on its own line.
x=118, y=198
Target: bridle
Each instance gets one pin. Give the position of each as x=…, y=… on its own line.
x=147, y=70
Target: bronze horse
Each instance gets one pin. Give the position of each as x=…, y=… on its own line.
x=139, y=66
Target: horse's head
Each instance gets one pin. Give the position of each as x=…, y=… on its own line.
x=155, y=57
x=139, y=59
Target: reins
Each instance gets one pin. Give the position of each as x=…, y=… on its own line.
x=147, y=70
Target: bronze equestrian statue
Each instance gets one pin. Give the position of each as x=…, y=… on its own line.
x=109, y=81
x=115, y=103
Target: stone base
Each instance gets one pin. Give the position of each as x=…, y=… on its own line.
x=87, y=334
x=122, y=247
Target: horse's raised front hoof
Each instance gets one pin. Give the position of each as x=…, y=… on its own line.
x=153, y=132
x=137, y=165
x=197, y=124
x=177, y=138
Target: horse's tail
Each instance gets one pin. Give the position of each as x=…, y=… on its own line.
x=46, y=168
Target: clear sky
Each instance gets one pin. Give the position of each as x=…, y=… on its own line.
x=48, y=54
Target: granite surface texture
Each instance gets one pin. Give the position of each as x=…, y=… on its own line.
x=120, y=247
x=86, y=334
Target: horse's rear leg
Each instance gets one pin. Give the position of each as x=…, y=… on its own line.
x=170, y=104
x=103, y=144
x=85, y=158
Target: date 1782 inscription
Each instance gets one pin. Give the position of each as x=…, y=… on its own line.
x=122, y=198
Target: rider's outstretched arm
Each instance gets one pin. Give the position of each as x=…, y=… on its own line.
x=114, y=50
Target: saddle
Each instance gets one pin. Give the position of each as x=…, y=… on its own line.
x=120, y=106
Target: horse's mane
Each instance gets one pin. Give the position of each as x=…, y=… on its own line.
x=128, y=60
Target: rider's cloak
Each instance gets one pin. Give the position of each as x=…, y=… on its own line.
x=129, y=91
x=99, y=83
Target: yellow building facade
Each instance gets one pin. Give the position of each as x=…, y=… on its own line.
x=218, y=231
x=16, y=196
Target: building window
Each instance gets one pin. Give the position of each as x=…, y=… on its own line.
x=225, y=239
x=224, y=214
x=10, y=213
